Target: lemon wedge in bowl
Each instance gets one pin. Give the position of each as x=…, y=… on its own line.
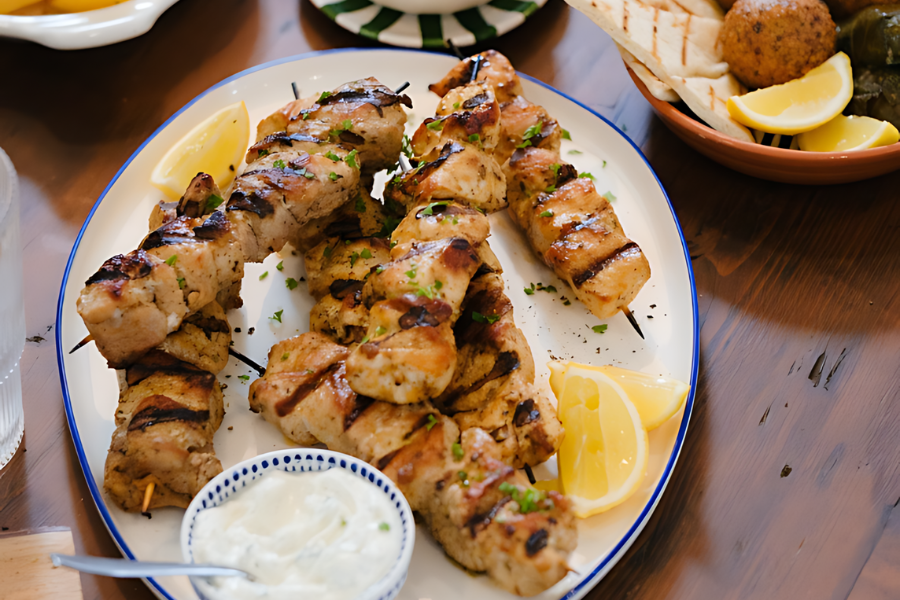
x=843, y=134
x=216, y=147
x=603, y=457
x=656, y=399
x=799, y=105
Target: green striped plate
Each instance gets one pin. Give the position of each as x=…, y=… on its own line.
x=393, y=27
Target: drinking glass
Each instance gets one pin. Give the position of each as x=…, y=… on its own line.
x=12, y=314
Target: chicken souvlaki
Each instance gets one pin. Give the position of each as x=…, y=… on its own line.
x=570, y=226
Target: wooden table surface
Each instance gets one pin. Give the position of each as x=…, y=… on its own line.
x=791, y=281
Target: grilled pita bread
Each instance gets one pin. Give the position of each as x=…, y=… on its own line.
x=679, y=48
x=656, y=87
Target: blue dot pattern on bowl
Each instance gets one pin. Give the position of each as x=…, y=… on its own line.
x=305, y=463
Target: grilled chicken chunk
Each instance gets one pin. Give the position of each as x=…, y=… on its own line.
x=282, y=191
x=581, y=239
x=362, y=115
x=413, y=302
x=130, y=305
x=494, y=68
x=168, y=412
x=482, y=511
x=468, y=115
x=202, y=340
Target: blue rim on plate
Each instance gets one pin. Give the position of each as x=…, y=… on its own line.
x=623, y=544
x=463, y=28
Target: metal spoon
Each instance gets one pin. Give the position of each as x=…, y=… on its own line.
x=126, y=568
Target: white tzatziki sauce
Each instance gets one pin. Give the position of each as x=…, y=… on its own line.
x=327, y=535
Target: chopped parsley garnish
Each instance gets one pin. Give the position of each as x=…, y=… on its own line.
x=599, y=328
x=171, y=260
x=436, y=125
x=406, y=147
x=213, y=202
x=530, y=133
x=550, y=289
x=609, y=196
x=306, y=174
x=181, y=283
x=455, y=105
x=353, y=258
x=529, y=501
x=334, y=176
x=262, y=153
x=430, y=291
x=480, y=318
x=244, y=377
x=264, y=275
x=475, y=138
x=479, y=209
x=365, y=253
x=306, y=114
x=324, y=96
x=280, y=266
x=347, y=124
x=575, y=152
x=530, y=291
x=566, y=301
x=285, y=356
x=334, y=157
x=379, y=269
x=555, y=167
x=464, y=478
x=327, y=252
x=277, y=315
x=457, y=451
x=587, y=175
x=364, y=340
x=438, y=285
x=412, y=271
x=290, y=283
x=429, y=210
x=279, y=164
x=360, y=205
x=566, y=135
x=604, y=165
x=432, y=421
x=350, y=159
x=384, y=527
x=546, y=213
x=380, y=331
x=550, y=189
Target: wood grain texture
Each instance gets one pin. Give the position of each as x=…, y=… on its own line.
x=28, y=573
x=785, y=275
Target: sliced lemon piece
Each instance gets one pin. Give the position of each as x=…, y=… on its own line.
x=799, y=105
x=216, y=147
x=843, y=134
x=657, y=399
x=603, y=457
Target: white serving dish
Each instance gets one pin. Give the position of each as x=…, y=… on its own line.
x=89, y=29
x=118, y=222
x=431, y=7
x=303, y=460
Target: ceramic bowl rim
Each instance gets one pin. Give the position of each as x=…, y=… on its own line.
x=392, y=581
x=796, y=157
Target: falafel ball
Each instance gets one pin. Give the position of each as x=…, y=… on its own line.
x=767, y=42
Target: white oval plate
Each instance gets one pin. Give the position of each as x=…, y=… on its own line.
x=90, y=29
x=118, y=222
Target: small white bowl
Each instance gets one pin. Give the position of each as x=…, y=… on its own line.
x=443, y=7
x=90, y=29
x=229, y=481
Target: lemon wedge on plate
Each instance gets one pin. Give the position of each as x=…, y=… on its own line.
x=603, y=457
x=656, y=399
x=216, y=147
x=843, y=134
x=799, y=105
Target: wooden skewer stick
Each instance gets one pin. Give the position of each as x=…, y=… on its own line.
x=248, y=361
x=454, y=49
x=87, y=339
x=402, y=87
x=530, y=474
x=633, y=321
x=296, y=90
x=148, y=494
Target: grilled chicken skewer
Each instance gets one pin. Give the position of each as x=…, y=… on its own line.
x=294, y=182
x=482, y=511
x=168, y=412
x=569, y=225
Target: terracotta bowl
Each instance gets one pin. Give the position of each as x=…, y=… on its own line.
x=774, y=164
